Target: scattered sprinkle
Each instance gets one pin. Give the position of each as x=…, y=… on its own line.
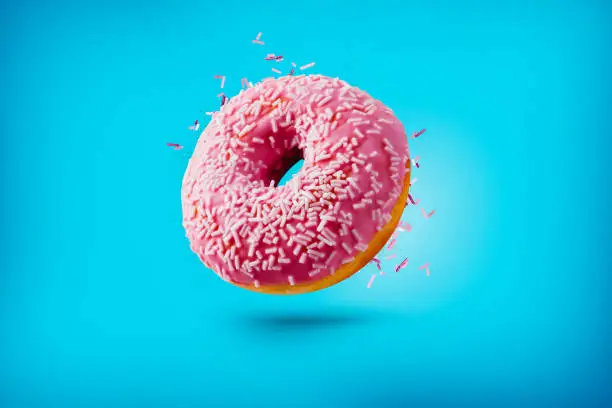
x=303, y=67
x=195, y=126
x=272, y=57
x=258, y=36
x=391, y=256
x=371, y=281
x=175, y=145
x=412, y=201
x=404, y=226
x=426, y=215
x=223, y=98
x=391, y=244
x=413, y=181
x=402, y=265
x=426, y=267
x=293, y=64
x=258, y=42
x=415, y=161
x=276, y=70
x=222, y=78
x=417, y=134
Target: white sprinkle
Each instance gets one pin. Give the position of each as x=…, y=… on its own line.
x=358, y=133
x=303, y=67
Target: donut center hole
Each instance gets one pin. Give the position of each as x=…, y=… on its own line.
x=289, y=165
x=292, y=171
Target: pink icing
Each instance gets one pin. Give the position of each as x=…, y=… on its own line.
x=250, y=231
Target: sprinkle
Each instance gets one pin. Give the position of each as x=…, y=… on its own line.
x=426, y=267
x=258, y=42
x=291, y=280
x=293, y=64
x=412, y=200
x=244, y=83
x=417, y=134
x=371, y=280
x=222, y=78
x=413, y=181
x=391, y=256
x=404, y=226
x=377, y=261
x=303, y=67
x=292, y=71
x=223, y=98
x=426, y=215
x=258, y=36
x=415, y=161
x=391, y=244
x=401, y=265
x=175, y=145
x=195, y=126
x=276, y=70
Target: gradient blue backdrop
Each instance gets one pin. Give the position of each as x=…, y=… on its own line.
x=102, y=304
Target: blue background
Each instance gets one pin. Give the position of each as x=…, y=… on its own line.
x=103, y=304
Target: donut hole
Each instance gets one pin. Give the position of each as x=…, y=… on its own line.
x=292, y=171
x=288, y=165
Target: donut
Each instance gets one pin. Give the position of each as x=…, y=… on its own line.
x=330, y=219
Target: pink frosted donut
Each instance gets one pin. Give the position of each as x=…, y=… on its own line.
x=330, y=219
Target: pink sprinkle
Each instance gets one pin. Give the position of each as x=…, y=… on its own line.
x=222, y=78
x=293, y=64
x=276, y=70
x=175, y=145
x=391, y=244
x=417, y=134
x=413, y=181
x=371, y=280
x=258, y=36
x=223, y=98
x=427, y=216
x=412, y=200
x=404, y=226
x=401, y=265
x=426, y=267
x=303, y=67
x=195, y=126
x=377, y=262
x=391, y=256
x=258, y=42
x=416, y=161
x=292, y=71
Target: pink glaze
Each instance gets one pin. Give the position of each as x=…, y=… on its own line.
x=251, y=232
